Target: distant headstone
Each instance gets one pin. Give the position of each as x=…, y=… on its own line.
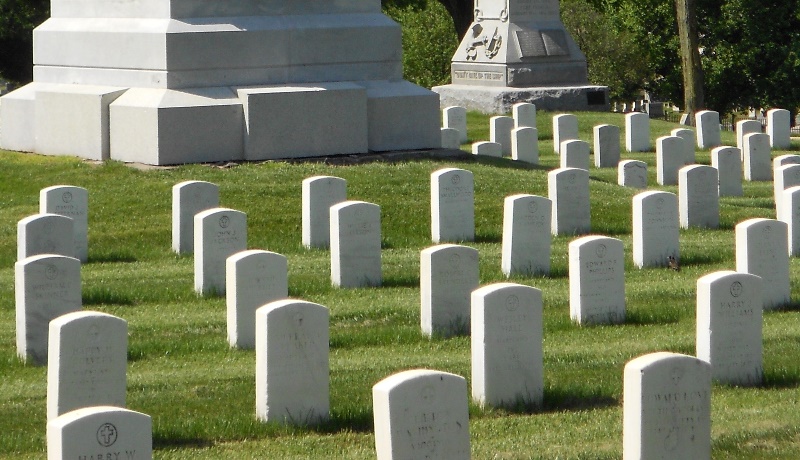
x=779, y=128
x=292, y=364
x=688, y=137
x=785, y=160
x=606, y=146
x=448, y=275
x=421, y=413
x=46, y=286
x=356, y=244
x=708, y=129
x=45, y=234
x=451, y=138
x=319, y=194
x=790, y=214
x=761, y=250
x=253, y=279
x=655, y=109
x=785, y=177
x=452, y=205
x=188, y=199
x=72, y=202
x=596, y=280
x=500, y=131
x=667, y=407
x=526, y=235
x=456, y=117
x=525, y=145
x=88, y=360
x=757, y=157
x=632, y=173
x=487, y=149
x=524, y=114
x=729, y=307
x=102, y=432
x=218, y=234
x=507, y=360
x=637, y=132
x=669, y=159
x=745, y=127
x=728, y=162
x=698, y=196
x=565, y=128
x=655, y=229
x=568, y=189
x=575, y=154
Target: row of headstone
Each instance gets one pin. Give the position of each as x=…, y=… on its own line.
x=61, y=227
x=605, y=141
x=514, y=136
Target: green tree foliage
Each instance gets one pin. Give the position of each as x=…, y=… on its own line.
x=17, y=20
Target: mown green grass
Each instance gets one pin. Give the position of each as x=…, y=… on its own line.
x=201, y=394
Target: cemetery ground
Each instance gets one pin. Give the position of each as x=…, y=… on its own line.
x=201, y=393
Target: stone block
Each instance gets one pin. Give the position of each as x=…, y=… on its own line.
x=401, y=116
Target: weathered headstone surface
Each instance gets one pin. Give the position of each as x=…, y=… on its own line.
x=688, y=137
x=698, y=196
x=451, y=138
x=292, y=370
x=524, y=114
x=729, y=310
x=456, y=117
x=525, y=145
x=606, y=146
x=45, y=234
x=500, y=131
x=667, y=408
x=73, y=202
x=745, y=127
x=452, y=205
x=448, y=275
x=102, y=432
x=45, y=287
x=655, y=229
x=708, y=129
x=319, y=194
x=728, y=162
x=253, y=279
x=575, y=154
x=790, y=214
x=761, y=250
x=757, y=157
x=88, y=360
x=188, y=199
x=785, y=160
x=637, y=132
x=526, y=235
x=487, y=149
x=356, y=244
x=218, y=234
x=596, y=280
x=507, y=361
x=565, y=128
x=669, y=159
x=785, y=177
x=778, y=128
x=632, y=173
x=568, y=189
x=421, y=413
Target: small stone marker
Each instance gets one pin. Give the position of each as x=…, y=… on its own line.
x=452, y=205
x=72, y=202
x=745, y=127
x=779, y=128
x=526, y=235
x=632, y=173
x=785, y=160
x=596, y=280
x=568, y=189
x=757, y=157
x=790, y=214
x=448, y=275
x=456, y=117
x=46, y=286
x=785, y=177
x=319, y=194
x=729, y=310
x=487, y=149
x=292, y=370
x=606, y=146
x=655, y=229
x=102, y=432
x=87, y=366
x=728, y=162
x=45, y=234
x=688, y=137
x=637, y=132
x=253, y=279
x=524, y=114
x=451, y=138
x=575, y=154
x=698, y=196
x=669, y=159
x=500, y=132
x=188, y=199
x=565, y=128
x=708, y=129
x=420, y=414
x=761, y=250
x=218, y=234
x=507, y=360
x=356, y=244
x=667, y=407
x=525, y=145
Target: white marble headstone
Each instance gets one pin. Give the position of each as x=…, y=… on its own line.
x=356, y=244
x=655, y=228
x=500, y=132
x=761, y=250
x=102, y=432
x=669, y=159
x=785, y=160
x=524, y=114
x=448, y=275
x=728, y=162
x=790, y=214
x=779, y=128
x=785, y=177
x=632, y=173
x=708, y=129
x=757, y=157
x=606, y=146
x=319, y=194
x=451, y=138
x=45, y=234
x=698, y=196
x=73, y=202
x=745, y=127
x=596, y=280
x=575, y=154
x=487, y=149
x=688, y=137
x=188, y=199
x=526, y=235
x=568, y=189
x=565, y=128
x=637, y=132
x=218, y=234
x=456, y=117
x=452, y=205
x=525, y=145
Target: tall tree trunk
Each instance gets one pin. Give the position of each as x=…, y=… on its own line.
x=462, y=12
x=693, y=98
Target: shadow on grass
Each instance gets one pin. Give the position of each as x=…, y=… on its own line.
x=781, y=379
x=790, y=307
x=173, y=440
x=111, y=258
x=702, y=259
x=103, y=296
x=558, y=399
x=401, y=281
x=489, y=238
x=646, y=317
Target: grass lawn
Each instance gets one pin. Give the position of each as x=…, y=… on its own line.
x=201, y=393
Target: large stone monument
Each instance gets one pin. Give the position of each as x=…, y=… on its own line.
x=519, y=51
x=186, y=81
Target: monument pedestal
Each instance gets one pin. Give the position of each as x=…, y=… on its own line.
x=499, y=100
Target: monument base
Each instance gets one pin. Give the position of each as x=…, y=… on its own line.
x=500, y=100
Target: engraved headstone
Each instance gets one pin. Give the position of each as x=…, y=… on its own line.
x=102, y=432
x=487, y=149
x=292, y=364
x=596, y=280
x=356, y=244
x=688, y=137
x=188, y=199
x=568, y=189
x=575, y=154
x=698, y=196
x=72, y=202
x=524, y=114
x=456, y=117
x=45, y=234
x=500, y=131
x=779, y=128
x=606, y=146
x=87, y=366
x=655, y=229
x=708, y=129
x=451, y=138
x=421, y=413
x=218, y=234
x=637, y=132
x=526, y=235
x=632, y=173
x=565, y=128
x=253, y=279
x=452, y=205
x=785, y=177
x=790, y=214
x=745, y=127
x=507, y=362
x=757, y=157
x=448, y=275
x=319, y=194
x=728, y=162
x=761, y=250
x=729, y=310
x=525, y=145
x=669, y=159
